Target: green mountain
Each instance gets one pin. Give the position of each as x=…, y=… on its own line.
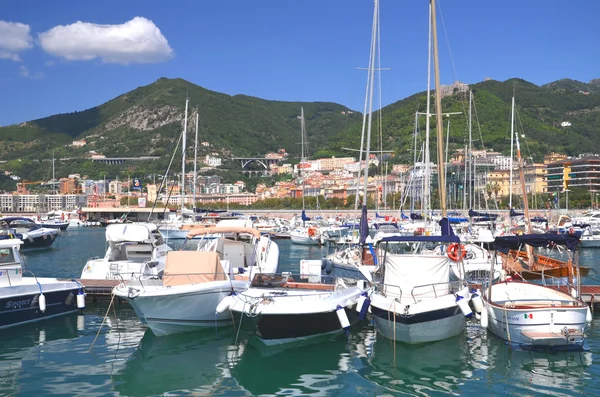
x=148, y=121
x=540, y=113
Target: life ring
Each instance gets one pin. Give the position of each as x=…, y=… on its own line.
x=311, y=232
x=456, y=252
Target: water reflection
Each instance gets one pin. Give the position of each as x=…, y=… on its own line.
x=194, y=363
x=307, y=370
x=441, y=367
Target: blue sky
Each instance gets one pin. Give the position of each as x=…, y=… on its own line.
x=279, y=49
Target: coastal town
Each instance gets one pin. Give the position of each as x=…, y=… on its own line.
x=479, y=179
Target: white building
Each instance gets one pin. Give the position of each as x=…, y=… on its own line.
x=28, y=202
x=503, y=162
x=115, y=187
x=212, y=161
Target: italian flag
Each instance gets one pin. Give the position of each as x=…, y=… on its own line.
x=530, y=316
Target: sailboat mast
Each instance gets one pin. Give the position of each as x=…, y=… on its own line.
x=195, y=160
x=512, y=134
x=438, y=111
x=183, y=156
x=302, y=159
x=523, y=187
x=471, y=167
x=370, y=99
x=426, y=156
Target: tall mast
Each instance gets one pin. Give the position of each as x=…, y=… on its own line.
x=523, y=187
x=512, y=134
x=183, y=156
x=426, y=155
x=302, y=159
x=195, y=159
x=370, y=99
x=438, y=111
x=471, y=168
x=53, y=178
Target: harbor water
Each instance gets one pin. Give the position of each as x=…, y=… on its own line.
x=56, y=357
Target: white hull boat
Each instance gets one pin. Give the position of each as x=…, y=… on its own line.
x=536, y=316
x=185, y=297
x=417, y=302
x=133, y=250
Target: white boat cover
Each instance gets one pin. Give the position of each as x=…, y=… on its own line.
x=192, y=267
x=410, y=271
x=134, y=232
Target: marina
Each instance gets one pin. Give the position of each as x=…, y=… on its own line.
x=235, y=363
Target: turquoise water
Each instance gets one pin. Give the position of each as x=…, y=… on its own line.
x=54, y=357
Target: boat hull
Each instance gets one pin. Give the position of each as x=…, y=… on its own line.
x=428, y=320
x=553, y=320
x=173, y=310
x=24, y=307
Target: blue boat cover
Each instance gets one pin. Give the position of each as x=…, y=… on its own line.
x=446, y=228
x=457, y=219
x=506, y=243
x=539, y=219
x=364, y=226
x=416, y=217
x=482, y=214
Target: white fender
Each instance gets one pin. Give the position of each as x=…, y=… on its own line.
x=42, y=303
x=588, y=316
x=81, y=322
x=477, y=302
x=463, y=304
x=342, y=317
x=484, y=318
x=224, y=304
x=80, y=300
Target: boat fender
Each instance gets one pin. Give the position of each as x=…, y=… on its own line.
x=342, y=317
x=502, y=275
x=225, y=304
x=241, y=270
x=81, y=300
x=323, y=263
x=328, y=266
x=588, y=316
x=484, y=318
x=573, y=292
x=362, y=306
x=477, y=302
x=463, y=304
x=42, y=303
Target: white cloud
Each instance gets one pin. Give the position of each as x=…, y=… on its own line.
x=14, y=37
x=23, y=71
x=135, y=41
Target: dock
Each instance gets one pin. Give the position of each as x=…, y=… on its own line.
x=97, y=290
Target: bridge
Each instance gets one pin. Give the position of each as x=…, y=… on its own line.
x=121, y=160
x=265, y=162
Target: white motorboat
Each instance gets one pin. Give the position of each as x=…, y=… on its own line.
x=133, y=250
x=28, y=299
x=25, y=229
x=294, y=309
x=307, y=235
x=532, y=315
x=416, y=300
x=186, y=296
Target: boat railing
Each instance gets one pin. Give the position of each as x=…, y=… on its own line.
x=439, y=289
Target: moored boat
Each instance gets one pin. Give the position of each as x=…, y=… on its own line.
x=28, y=299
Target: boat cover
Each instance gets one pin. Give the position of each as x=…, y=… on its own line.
x=129, y=232
x=417, y=276
x=192, y=267
x=505, y=243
